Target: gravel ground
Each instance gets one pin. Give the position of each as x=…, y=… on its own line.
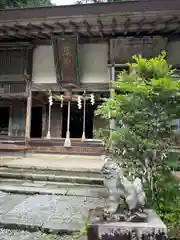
x=6, y=234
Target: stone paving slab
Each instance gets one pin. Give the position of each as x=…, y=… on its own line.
x=59, y=214
x=8, y=201
x=32, y=211
x=6, y=234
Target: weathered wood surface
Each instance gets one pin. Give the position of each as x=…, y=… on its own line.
x=122, y=49
x=126, y=18
x=53, y=146
x=28, y=113
x=66, y=56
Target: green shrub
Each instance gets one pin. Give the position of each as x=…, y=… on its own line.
x=173, y=160
x=147, y=101
x=167, y=199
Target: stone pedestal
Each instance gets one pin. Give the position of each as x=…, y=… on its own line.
x=153, y=229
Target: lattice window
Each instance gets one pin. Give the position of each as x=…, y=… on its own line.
x=12, y=61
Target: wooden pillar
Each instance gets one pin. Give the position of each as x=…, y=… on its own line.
x=68, y=98
x=28, y=113
x=84, y=117
x=49, y=115
x=112, y=122
x=44, y=121
x=67, y=142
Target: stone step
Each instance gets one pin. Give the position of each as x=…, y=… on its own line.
x=52, y=171
x=51, y=188
x=43, y=176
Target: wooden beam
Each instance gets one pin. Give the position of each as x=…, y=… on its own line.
x=140, y=24
x=14, y=31
x=43, y=35
x=45, y=25
x=173, y=19
x=74, y=26
x=88, y=28
x=177, y=29
x=100, y=25
x=31, y=35
x=16, y=44
x=20, y=27
x=126, y=26
x=33, y=26
x=25, y=30
x=61, y=26
x=17, y=31
x=37, y=42
x=113, y=26
x=169, y=21
x=154, y=24
x=39, y=96
x=3, y=30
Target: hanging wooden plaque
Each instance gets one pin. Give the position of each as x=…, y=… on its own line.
x=66, y=55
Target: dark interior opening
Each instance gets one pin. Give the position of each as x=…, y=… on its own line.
x=36, y=122
x=89, y=121
x=76, y=121
x=4, y=120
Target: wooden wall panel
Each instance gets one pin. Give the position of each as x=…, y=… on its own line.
x=56, y=121
x=122, y=49
x=18, y=120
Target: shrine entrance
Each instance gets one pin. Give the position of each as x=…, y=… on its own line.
x=4, y=120
x=36, y=122
x=76, y=121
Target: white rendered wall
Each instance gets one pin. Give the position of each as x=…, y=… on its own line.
x=43, y=65
x=94, y=63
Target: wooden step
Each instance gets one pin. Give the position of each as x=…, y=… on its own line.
x=53, y=149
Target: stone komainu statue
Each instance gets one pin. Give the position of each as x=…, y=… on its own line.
x=120, y=188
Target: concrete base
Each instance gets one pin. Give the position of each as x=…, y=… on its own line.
x=153, y=229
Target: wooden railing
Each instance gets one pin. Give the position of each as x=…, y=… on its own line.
x=12, y=88
x=18, y=132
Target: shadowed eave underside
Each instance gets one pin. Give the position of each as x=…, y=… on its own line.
x=131, y=18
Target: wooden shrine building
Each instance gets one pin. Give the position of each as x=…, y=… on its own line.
x=53, y=60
